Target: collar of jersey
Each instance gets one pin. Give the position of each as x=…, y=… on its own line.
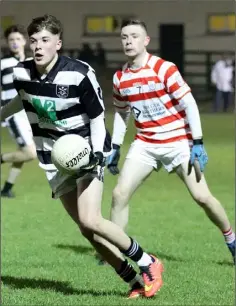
x=60, y=63
x=144, y=65
x=12, y=55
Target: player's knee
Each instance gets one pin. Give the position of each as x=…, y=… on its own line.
x=90, y=224
x=120, y=196
x=86, y=232
x=204, y=200
x=98, y=239
x=30, y=153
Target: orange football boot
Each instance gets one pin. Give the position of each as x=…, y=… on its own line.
x=135, y=292
x=152, y=277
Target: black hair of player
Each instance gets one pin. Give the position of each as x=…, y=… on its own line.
x=16, y=28
x=45, y=22
x=128, y=22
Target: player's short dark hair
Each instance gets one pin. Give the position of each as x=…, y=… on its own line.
x=128, y=22
x=45, y=22
x=16, y=28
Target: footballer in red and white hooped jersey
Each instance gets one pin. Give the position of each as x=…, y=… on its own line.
x=154, y=94
x=169, y=131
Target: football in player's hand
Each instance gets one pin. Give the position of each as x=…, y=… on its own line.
x=70, y=153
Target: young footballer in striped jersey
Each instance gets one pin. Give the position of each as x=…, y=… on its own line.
x=62, y=96
x=17, y=124
x=169, y=132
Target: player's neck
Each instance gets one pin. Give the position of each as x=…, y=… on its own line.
x=20, y=56
x=137, y=62
x=46, y=69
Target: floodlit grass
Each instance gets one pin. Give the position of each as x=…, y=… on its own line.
x=45, y=260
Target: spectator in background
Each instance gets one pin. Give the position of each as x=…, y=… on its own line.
x=233, y=78
x=86, y=54
x=100, y=55
x=222, y=77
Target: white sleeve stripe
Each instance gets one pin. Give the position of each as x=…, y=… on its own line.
x=181, y=92
x=152, y=61
x=98, y=133
x=172, y=79
x=163, y=70
x=115, y=80
x=21, y=73
x=192, y=112
x=120, y=126
x=97, y=89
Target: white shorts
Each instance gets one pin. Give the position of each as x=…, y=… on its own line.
x=62, y=183
x=169, y=155
x=20, y=129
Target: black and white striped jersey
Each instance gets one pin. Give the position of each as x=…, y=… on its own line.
x=8, y=91
x=62, y=102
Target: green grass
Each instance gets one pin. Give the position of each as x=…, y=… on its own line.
x=45, y=260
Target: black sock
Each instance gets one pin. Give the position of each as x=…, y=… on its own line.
x=7, y=187
x=127, y=272
x=134, y=252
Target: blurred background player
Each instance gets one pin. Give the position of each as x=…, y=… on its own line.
x=17, y=124
x=168, y=126
x=222, y=78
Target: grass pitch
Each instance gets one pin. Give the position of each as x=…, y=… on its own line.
x=45, y=260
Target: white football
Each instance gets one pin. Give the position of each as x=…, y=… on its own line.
x=70, y=153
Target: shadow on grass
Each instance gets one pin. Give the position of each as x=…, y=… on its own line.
x=56, y=286
x=160, y=254
x=225, y=263
x=168, y=257
x=81, y=249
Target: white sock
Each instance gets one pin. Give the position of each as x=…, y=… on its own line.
x=14, y=172
x=145, y=260
x=229, y=236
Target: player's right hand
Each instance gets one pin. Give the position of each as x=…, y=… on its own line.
x=113, y=160
x=95, y=159
x=198, y=153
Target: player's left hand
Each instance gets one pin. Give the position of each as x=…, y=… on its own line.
x=95, y=159
x=113, y=160
x=199, y=153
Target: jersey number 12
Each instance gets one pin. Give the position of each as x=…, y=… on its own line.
x=45, y=108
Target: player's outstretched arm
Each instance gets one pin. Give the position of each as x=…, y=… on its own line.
x=198, y=151
x=91, y=98
x=120, y=125
x=179, y=89
x=14, y=106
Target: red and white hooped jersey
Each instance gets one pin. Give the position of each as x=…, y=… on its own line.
x=153, y=93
